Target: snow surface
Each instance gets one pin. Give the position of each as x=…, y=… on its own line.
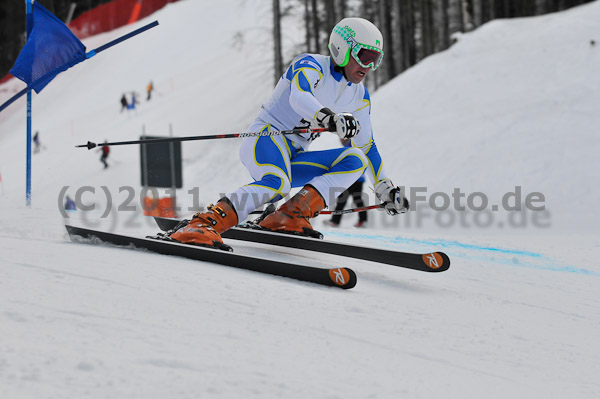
x=515, y=103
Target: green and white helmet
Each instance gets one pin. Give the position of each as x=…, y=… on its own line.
x=358, y=38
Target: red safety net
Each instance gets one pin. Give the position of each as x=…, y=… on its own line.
x=114, y=15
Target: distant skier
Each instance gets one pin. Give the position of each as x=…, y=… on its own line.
x=105, y=151
x=70, y=204
x=149, y=89
x=36, y=142
x=134, y=100
x=124, y=104
x=319, y=91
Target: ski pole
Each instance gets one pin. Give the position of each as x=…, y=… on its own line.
x=91, y=145
x=353, y=210
x=340, y=212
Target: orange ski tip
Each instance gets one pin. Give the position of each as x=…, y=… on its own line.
x=340, y=276
x=433, y=260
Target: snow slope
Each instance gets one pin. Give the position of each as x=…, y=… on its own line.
x=511, y=104
x=515, y=103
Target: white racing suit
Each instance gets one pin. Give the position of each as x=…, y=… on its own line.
x=278, y=163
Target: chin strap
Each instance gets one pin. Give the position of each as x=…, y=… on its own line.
x=339, y=69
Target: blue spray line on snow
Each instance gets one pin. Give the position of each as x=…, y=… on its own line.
x=547, y=263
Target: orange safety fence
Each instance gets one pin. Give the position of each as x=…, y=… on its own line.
x=162, y=207
x=135, y=13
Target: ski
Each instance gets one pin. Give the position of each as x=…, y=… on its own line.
x=341, y=277
x=430, y=262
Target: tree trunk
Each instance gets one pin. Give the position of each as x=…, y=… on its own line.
x=394, y=49
x=427, y=29
x=341, y=10
x=444, y=25
x=455, y=17
x=278, y=61
x=307, y=26
x=406, y=22
x=385, y=26
x=315, y=26
x=330, y=20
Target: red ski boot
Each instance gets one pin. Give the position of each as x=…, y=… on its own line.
x=205, y=228
x=292, y=217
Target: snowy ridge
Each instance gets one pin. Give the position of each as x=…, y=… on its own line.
x=514, y=103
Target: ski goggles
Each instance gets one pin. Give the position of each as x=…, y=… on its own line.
x=367, y=56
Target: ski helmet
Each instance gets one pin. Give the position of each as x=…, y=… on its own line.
x=358, y=38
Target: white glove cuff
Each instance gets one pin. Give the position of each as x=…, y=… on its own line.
x=383, y=188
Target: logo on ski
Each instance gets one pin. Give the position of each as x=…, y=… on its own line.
x=433, y=260
x=339, y=276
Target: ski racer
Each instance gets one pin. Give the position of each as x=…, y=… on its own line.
x=320, y=91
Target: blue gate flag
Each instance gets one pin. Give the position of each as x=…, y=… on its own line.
x=58, y=51
x=51, y=49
